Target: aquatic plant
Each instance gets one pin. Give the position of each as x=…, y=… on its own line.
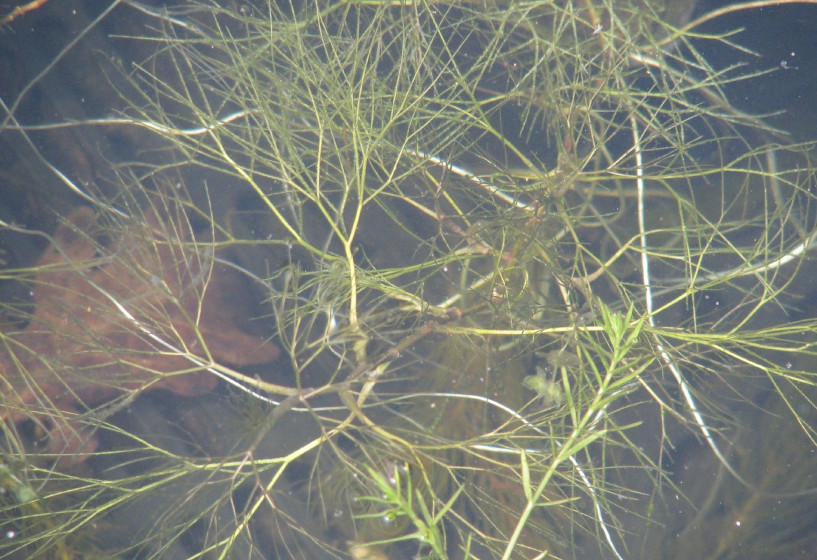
x=510, y=253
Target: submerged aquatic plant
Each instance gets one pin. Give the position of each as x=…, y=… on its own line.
x=510, y=252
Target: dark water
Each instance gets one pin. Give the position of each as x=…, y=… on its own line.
x=784, y=49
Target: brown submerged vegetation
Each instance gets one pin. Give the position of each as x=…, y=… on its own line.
x=120, y=313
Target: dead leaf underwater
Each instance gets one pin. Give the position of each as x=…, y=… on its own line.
x=120, y=312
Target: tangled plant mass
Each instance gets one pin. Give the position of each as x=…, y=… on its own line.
x=520, y=266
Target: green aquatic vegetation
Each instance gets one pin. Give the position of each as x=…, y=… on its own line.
x=510, y=253
x=404, y=502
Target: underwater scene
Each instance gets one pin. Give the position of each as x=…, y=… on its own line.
x=385, y=280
